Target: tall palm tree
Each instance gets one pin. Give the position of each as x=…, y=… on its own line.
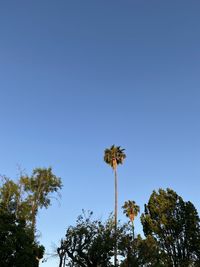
x=114, y=156
x=131, y=210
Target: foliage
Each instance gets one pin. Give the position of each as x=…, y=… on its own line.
x=174, y=224
x=130, y=209
x=26, y=196
x=141, y=252
x=19, y=205
x=39, y=189
x=17, y=245
x=89, y=244
x=114, y=156
x=172, y=237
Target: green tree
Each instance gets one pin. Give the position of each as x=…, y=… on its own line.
x=39, y=188
x=19, y=205
x=131, y=210
x=89, y=243
x=31, y=193
x=175, y=225
x=141, y=252
x=18, y=247
x=9, y=195
x=114, y=156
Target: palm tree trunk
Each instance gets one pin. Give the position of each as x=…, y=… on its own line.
x=116, y=201
x=133, y=230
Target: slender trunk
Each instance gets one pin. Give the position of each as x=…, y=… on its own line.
x=33, y=219
x=133, y=230
x=61, y=261
x=61, y=256
x=64, y=261
x=18, y=200
x=116, y=201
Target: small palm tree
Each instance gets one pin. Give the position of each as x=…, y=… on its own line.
x=114, y=156
x=131, y=210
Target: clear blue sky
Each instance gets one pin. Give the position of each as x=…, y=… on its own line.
x=79, y=76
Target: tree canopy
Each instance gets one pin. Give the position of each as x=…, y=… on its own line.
x=19, y=204
x=89, y=243
x=114, y=156
x=172, y=237
x=18, y=247
x=175, y=225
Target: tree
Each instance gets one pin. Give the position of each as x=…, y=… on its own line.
x=114, y=156
x=39, y=188
x=141, y=253
x=9, y=195
x=89, y=243
x=131, y=210
x=19, y=205
x=26, y=196
x=17, y=245
x=175, y=225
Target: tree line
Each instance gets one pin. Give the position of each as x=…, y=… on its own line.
x=171, y=236
x=171, y=226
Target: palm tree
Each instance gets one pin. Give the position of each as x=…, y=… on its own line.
x=131, y=210
x=114, y=156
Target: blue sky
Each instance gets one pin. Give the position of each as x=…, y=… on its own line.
x=79, y=76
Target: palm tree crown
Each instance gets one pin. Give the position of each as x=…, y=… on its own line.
x=131, y=209
x=114, y=155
